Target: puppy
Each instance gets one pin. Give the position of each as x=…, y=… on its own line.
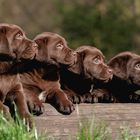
x=41, y=80
x=14, y=46
x=125, y=82
x=78, y=80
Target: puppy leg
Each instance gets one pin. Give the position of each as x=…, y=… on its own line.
x=58, y=99
x=21, y=104
x=34, y=104
x=53, y=94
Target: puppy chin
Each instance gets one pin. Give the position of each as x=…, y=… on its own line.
x=75, y=69
x=26, y=58
x=106, y=80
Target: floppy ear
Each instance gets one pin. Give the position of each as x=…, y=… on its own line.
x=41, y=41
x=2, y=29
x=42, y=49
x=78, y=66
x=81, y=51
x=119, y=64
x=4, y=45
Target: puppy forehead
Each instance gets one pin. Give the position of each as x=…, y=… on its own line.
x=16, y=29
x=49, y=35
x=95, y=52
x=132, y=55
x=134, y=60
x=12, y=27
x=91, y=51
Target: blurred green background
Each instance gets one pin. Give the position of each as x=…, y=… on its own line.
x=110, y=25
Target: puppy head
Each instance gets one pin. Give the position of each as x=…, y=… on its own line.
x=54, y=48
x=126, y=65
x=90, y=62
x=14, y=42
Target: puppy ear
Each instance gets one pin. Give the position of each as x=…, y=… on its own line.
x=81, y=51
x=42, y=49
x=78, y=66
x=119, y=64
x=41, y=41
x=2, y=30
x=4, y=45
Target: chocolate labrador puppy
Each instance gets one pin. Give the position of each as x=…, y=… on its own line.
x=41, y=77
x=14, y=45
x=125, y=82
x=78, y=80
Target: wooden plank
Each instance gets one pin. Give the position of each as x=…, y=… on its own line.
x=65, y=126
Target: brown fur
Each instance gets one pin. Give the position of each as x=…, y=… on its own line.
x=89, y=67
x=125, y=82
x=43, y=78
x=14, y=46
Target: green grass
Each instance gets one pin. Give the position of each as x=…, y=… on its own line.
x=89, y=129
x=95, y=130
x=128, y=134
x=16, y=130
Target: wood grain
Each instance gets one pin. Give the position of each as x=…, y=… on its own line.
x=63, y=127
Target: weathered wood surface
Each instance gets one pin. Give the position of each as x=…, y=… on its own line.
x=64, y=126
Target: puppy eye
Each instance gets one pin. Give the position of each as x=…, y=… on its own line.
x=137, y=66
x=96, y=61
x=19, y=36
x=59, y=46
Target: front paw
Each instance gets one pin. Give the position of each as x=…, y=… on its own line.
x=99, y=97
x=36, y=107
x=88, y=98
x=65, y=107
x=76, y=99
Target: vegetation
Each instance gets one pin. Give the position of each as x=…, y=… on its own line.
x=10, y=130
x=88, y=130
x=91, y=130
x=109, y=29
x=110, y=25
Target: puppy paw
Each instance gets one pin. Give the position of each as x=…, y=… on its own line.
x=76, y=99
x=36, y=107
x=88, y=98
x=65, y=107
x=99, y=96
